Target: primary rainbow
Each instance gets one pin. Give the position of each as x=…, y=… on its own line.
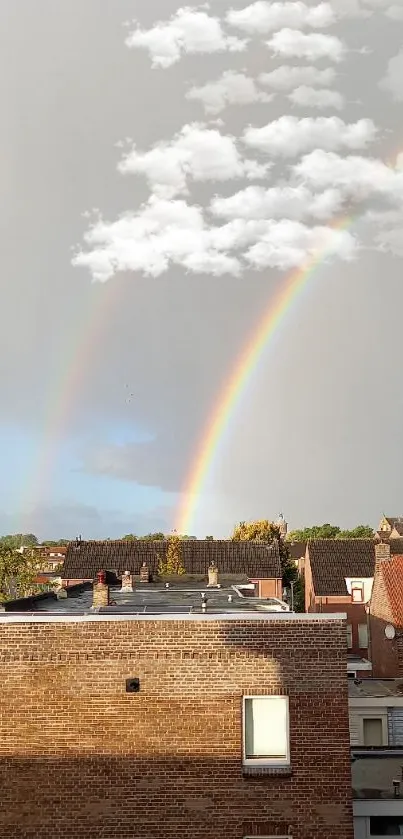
x=230, y=396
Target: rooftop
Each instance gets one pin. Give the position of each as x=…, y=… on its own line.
x=374, y=688
x=391, y=572
x=334, y=560
x=256, y=560
x=180, y=600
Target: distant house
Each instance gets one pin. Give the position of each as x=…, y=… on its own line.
x=386, y=613
x=297, y=552
x=376, y=738
x=255, y=562
x=338, y=577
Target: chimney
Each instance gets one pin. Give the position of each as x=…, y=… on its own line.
x=127, y=581
x=100, y=591
x=144, y=573
x=212, y=576
x=382, y=551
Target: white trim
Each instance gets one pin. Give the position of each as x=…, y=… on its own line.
x=268, y=762
x=297, y=617
x=376, y=702
x=366, y=807
x=358, y=666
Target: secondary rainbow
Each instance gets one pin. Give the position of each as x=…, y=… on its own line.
x=229, y=397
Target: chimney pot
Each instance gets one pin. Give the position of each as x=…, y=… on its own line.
x=212, y=576
x=127, y=581
x=100, y=591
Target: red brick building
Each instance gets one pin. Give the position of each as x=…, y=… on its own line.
x=192, y=726
x=258, y=563
x=338, y=577
x=386, y=610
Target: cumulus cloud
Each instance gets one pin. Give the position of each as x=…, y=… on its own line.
x=231, y=88
x=309, y=97
x=188, y=31
x=356, y=177
x=172, y=233
x=313, y=46
x=392, y=83
x=289, y=244
x=286, y=78
x=388, y=236
x=278, y=202
x=290, y=136
x=196, y=153
x=263, y=17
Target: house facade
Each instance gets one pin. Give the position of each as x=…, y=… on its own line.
x=172, y=725
x=338, y=577
x=376, y=737
x=386, y=615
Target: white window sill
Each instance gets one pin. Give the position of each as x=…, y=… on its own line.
x=255, y=767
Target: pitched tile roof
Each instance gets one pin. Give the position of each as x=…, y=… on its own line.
x=398, y=526
x=332, y=560
x=254, y=559
x=296, y=549
x=391, y=571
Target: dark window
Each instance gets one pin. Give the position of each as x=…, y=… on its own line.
x=386, y=826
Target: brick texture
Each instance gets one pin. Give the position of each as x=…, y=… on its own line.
x=80, y=757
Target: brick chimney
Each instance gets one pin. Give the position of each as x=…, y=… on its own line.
x=127, y=581
x=144, y=573
x=382, y=551
x=212, y=576
x=100, y=591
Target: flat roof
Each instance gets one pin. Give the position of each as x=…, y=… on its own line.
x=374, y=688
x=373, y=774
x=179, y=601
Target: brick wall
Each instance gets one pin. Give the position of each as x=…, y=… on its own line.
x=81, y=758
x=384, y=652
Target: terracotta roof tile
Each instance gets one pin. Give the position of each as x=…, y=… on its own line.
x=392, y=572
x=254, y=559
x=332, y=560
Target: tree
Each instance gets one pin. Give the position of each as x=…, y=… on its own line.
x=330, y=531
x=172, y=565
x=17, y=573
x=19, y=540
x=267, y=531
x=209, y=538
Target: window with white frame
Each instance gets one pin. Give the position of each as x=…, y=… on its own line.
x=363, y=636
x=266, y=731
x=349, y=636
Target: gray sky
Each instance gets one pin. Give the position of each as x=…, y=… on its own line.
x=316, y=433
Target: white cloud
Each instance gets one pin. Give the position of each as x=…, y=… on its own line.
x=286, y=77
x=263, y=17
x=313, y=46
x=292, y=202
x=172, y=233
x=196, y=153
x=356, y=177
x=393, y=81
x=395, y=12
x=290, y=136
x=389, y=227
x=289, y=244
x=187, y=31
x=231, y=88
x=309, y=97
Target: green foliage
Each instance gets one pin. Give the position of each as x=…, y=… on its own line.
x=59, y=544
x=19, y=540
x=17, y=572
x=172, y=565
x=209, y=538
x=330, y=531
x=266, y=531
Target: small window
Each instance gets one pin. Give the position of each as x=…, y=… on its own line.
x=266, y=731
x=349, y=636
x=372, y=730
x=386, y=826
x=357, y=592
x=363, y=636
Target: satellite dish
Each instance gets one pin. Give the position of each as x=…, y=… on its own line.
x=390, y=632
